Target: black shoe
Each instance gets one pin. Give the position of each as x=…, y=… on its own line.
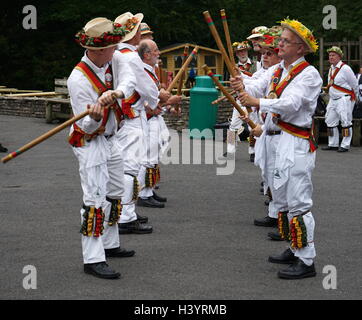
x=119, y=253
x=3, y=149
x=101, y=270
x=266, y=222
x=142, y=219
x=275, y=236
x=266, y=202
x=287, y=257
x=150, y=203
x=330, y=148
x=342, y=149
x=252, y=157
x=298, y=270
x=158, y=198
x=134, y=227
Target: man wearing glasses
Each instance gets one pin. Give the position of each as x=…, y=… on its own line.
x=293, y=87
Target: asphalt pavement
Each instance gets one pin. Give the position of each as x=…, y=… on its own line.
x=204, y=244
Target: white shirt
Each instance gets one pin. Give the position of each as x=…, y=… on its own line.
x=145, y=85
x=151, y=69
x=82, y=93
x=298, y=100
x=345, y=78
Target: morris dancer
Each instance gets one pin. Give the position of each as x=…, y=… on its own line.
x=132, y=133
x=158, y=134
x=94, y=143
x=343, y=89
x=294, y=87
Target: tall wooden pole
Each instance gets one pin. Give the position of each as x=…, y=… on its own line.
x=227, y=35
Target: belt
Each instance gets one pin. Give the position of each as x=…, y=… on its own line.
x=272, y=133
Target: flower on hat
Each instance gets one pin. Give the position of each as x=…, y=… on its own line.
x=131, y=24
x=270, y=37
x=303, y=32
x=104, y=40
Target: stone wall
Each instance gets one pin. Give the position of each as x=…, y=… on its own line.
x=224, y=114
x=35, y=107
x=25, y=107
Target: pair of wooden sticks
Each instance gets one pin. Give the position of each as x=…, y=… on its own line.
x=229, y=61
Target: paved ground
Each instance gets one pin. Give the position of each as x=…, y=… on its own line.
x=204, y=244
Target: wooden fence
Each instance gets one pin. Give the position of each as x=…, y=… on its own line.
x=352, y=53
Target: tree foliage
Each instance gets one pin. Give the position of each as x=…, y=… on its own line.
x=31, y=59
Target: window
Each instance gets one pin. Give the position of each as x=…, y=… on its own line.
x=210, y=61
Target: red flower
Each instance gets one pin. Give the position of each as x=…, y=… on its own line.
x=268, y=39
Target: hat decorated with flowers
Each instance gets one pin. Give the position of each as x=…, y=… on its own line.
x=100, y=33
x=130, y=22
x=257, y=32
x=270, y=38
x=244, y=45
x=302, y=32
x=337, y=50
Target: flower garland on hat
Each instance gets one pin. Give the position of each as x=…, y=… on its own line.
x=336, y=50
x=131, y=24
x=106, y=39
x=241, y=45
x=303, y=32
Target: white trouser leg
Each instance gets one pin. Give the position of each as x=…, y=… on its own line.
x=128, y=211
x=115, y=190
x=308, y=253
x=93, y=181
x=345, y=108
x=279, y=203
x=332, y=121
x=299, y=197
x=231, y=147
x=110, y=235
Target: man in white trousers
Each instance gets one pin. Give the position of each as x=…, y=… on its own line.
x=95, y=145
x=293, y=89
x=343, y=88
x=132, y=133
x=158, y=134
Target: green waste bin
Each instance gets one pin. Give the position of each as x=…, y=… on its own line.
x=203, y=114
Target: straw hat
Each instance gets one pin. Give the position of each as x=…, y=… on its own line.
x=130, y=22
x=257, y=32
x=145, y=29
x=302, y=32
x=244, y=45
x=100, y=33
x=337, y=50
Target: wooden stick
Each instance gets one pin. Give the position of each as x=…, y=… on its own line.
x=227, y=94
x=227, y=35
x=39, y=94
x=179, y=88
x=43, y=137
x=183, y=69
x=48, y=134
x=216, y=36
x=222, y=98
